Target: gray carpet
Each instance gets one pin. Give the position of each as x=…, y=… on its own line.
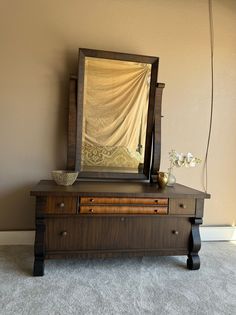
x=155, y=285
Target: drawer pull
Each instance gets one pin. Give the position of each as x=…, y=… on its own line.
x=91, y=200
x=64, y=233
x=176, y=232
x=61, y=205
x=182, y=205
x=91, y=210
x=156, y=201
x=156, y=210
x=122, y=219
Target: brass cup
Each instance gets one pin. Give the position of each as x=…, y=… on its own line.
x=162, y=179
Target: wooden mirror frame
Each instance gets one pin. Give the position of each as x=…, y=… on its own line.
x=153, y=140
x=72, y=126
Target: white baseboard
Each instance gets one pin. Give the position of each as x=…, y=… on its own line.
x=17, y=237
x=208, y=233
x=218, y=233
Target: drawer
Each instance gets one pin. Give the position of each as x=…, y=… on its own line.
x=124, y=201
x=84, y=233
x=182, y=206
x=60, y=205
x=123, y=209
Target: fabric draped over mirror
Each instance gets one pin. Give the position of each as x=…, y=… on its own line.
x=116, y=96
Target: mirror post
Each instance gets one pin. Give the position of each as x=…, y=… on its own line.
x=156, y=156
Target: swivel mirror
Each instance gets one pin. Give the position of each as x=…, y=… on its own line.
x=116, y=98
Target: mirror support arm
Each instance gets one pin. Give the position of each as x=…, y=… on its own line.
x=156, y=154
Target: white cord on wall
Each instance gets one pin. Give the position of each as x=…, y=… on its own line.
x=211, y=30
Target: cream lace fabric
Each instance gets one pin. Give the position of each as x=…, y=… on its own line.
x=116, y=97
x=109, y=157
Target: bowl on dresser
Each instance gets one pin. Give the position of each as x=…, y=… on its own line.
x=64, y=178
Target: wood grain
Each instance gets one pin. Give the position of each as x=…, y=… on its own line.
x=182, y=206
x=112, y=253
x=199, y=208
x=124, y=209
x=72, y=123
x=156, y=159
x=60, y=205
x=116, y=189
x=127, y=233
x=107, y=200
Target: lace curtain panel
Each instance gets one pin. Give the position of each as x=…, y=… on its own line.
x=115, y=111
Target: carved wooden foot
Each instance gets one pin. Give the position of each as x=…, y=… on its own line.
x=39, y=248
x=193, y=262
x=38, y=267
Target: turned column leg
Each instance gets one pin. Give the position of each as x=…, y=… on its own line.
x=193, y=261
x=39, y=251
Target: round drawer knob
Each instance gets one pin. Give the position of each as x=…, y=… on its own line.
x=176, y=232
x=91, y=210
x=156, y=201
x=122, y=219
x=91, y=200
x=64, y=233
x=156, y=210
x=183, y=206
x=61, y=205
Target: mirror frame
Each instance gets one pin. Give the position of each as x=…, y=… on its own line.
x=154, y=61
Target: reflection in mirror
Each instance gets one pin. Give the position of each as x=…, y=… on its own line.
x=115, y=109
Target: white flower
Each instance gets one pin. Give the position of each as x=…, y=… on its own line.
x=189, y=157
x=181, y=159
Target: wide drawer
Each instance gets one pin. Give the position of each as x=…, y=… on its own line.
x=60, y=205
x=122, y=200
x=117, y=233
x=182, y=206
x=123, y=209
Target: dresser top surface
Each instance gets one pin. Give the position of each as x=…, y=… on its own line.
x=132, y=189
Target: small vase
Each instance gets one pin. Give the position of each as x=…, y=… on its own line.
x=162, y=179
x=171, y=180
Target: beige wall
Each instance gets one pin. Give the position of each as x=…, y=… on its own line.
x=39, y=42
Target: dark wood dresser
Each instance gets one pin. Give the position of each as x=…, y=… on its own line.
x=109, y=219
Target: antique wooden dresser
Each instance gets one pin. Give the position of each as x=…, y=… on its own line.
x=104, y=219
x=116, y=207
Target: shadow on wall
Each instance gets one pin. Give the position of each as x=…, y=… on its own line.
x=70, y=68
x=16, y=205
x=17, y=208
x=230, y=5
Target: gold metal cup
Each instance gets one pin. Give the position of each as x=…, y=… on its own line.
x=162, y=179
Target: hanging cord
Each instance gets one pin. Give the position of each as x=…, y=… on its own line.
x=211, y=29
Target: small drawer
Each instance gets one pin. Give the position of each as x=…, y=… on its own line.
x=60, y=205
x=123, y=209
x=182, y=206
x=124, y=201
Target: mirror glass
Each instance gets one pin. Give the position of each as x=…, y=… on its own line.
x=115, y=112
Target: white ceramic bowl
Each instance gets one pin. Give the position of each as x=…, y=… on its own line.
x=64, y=178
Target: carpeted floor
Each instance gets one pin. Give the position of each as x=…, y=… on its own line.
x=154, y=285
